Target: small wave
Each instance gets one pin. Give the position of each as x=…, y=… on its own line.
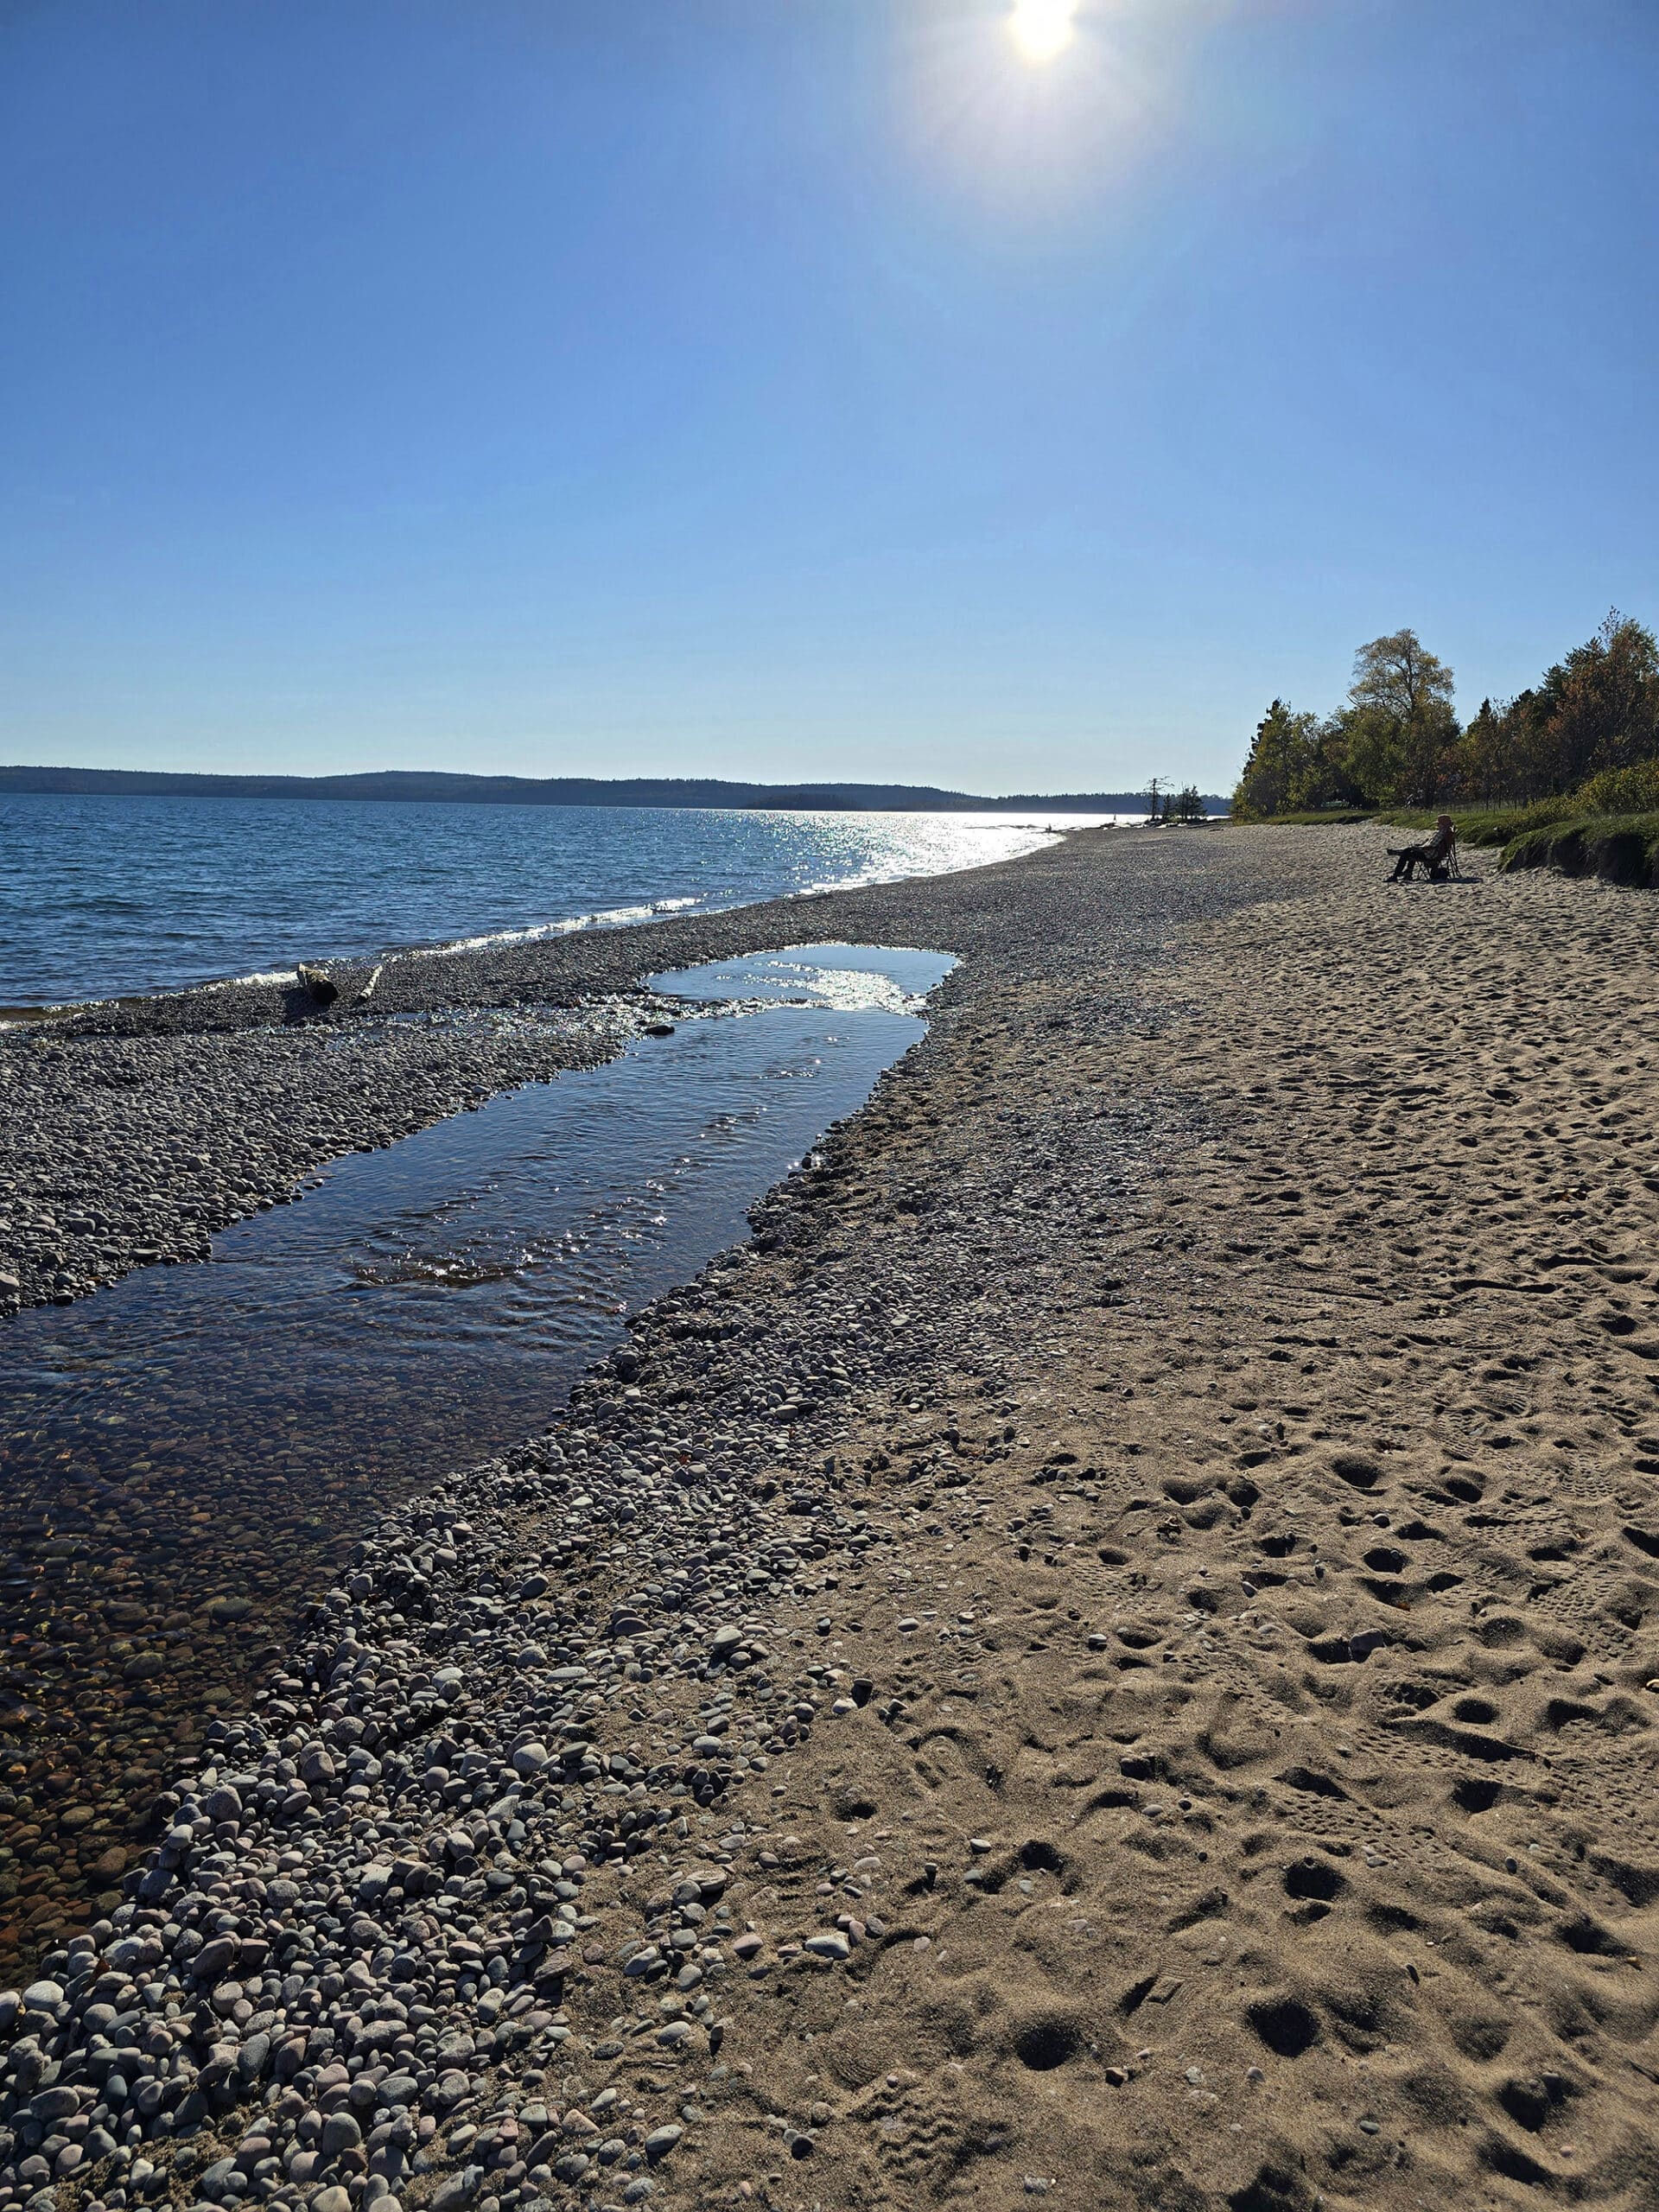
x=63, y=1007
x=607, y=918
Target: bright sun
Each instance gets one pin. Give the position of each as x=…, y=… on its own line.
x=1043, y=28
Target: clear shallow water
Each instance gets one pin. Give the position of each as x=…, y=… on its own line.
x=185, y=1455
x=103, y=897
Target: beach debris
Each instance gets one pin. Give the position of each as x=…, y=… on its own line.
x=317, y=983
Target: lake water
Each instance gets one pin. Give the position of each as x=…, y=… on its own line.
x=101, y=897
x=186, y=1457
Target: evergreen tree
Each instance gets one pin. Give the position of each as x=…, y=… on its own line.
x=1286, y=770
x=1488, y=765
x=1596, y=709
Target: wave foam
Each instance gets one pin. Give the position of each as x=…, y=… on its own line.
x=607, y=918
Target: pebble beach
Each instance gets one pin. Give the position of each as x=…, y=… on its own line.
x=1109, y=1653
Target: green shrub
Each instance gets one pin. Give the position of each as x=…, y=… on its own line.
x=1621, y=791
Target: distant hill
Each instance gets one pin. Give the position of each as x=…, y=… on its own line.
x=435, y=785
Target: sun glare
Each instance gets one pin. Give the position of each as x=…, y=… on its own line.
x=1043, y=28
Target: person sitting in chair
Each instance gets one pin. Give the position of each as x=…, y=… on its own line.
x=1434, y=856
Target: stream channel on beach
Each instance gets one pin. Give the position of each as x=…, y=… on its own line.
x=186, y=1457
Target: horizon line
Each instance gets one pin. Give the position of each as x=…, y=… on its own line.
x=463, y=787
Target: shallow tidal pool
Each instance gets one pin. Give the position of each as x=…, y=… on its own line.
x=185, y=1457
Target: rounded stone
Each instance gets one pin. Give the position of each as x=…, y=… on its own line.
x=340, y=2133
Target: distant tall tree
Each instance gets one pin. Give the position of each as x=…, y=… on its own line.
x=1286, y=770
x=1189, y=803
x=1398, y=731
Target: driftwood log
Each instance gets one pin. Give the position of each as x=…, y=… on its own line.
x=318, y=984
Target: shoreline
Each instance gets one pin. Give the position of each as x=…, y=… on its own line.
x=239, y=1121
x=195, y=1073
x=361, y=966
x=781, y=923
x=1104, y=1649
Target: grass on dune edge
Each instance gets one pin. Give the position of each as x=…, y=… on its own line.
x=1491, y=824
x=1315, y=818
x=1620, y=848
x=1548, y=833
x=1480, y=825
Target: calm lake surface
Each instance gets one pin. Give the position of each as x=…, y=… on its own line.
x=107, y=896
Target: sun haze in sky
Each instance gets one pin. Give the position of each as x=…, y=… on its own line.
x=902, y=390
x=1043, y=28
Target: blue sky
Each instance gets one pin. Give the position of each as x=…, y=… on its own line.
x=806, y=387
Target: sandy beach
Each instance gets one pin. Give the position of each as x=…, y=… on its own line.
x=1277, y=1677
x=1104, y=1657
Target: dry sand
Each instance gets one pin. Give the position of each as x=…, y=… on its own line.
x=1270, y=1820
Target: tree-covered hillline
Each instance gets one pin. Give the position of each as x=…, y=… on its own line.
x=457, y=788
x=1583, y=739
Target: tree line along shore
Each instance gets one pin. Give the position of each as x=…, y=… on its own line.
x=1566, y=774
